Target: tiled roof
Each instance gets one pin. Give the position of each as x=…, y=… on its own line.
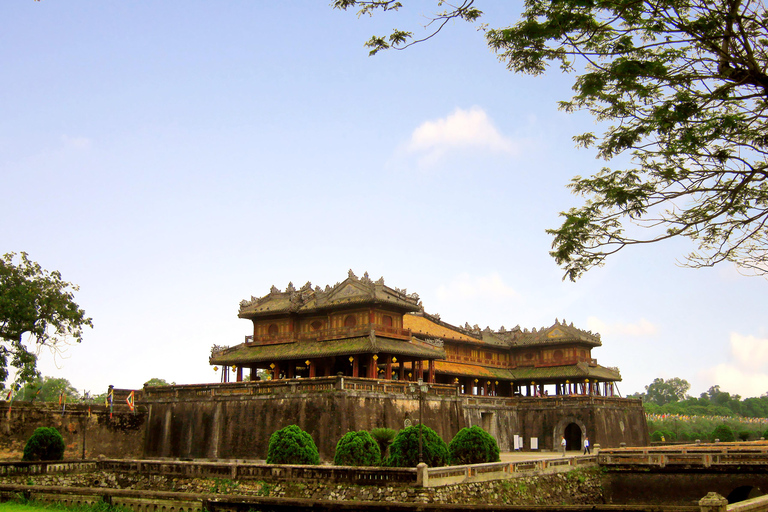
x=352, y=290
x=574, y=373
x=558, y=333
x=471, y=370
x=252, y=353
x=424, y=325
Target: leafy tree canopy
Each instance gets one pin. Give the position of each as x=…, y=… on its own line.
x=48, y=389
x=662, y=392
x=36, y=303
x=154, y=381
x=681, y=87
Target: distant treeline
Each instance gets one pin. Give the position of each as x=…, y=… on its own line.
x=671, y=397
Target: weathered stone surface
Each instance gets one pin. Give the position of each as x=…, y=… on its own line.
x=238, y=427
x=122, y=435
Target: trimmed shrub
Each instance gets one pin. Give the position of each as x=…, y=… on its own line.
x=357, y=449
x=383, y=436
x=724, y=433
x=291, y=445
x=744, y=435
x=45, y=444
x=473, y=445
x=404, y=451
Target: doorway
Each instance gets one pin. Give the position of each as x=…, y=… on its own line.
x=572, y=436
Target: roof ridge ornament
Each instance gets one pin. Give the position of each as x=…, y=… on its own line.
x=351, y=275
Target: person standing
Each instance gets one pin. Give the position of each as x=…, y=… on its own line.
x=562, y=446
x=586, y=446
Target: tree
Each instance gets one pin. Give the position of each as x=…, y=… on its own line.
x=404, y=450
x=357, y=449
x=48, y=389
x=681, y=87
x=154, y=381
x=473, y=445
x=662, y=392
x=291, y=445
x=45, y=443
x=40, y=304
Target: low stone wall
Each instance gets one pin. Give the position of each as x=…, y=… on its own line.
x=121, y=435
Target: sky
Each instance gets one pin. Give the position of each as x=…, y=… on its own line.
x=174, y=158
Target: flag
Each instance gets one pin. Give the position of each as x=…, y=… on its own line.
x=129, y=401
x=110, y=397
x=63, y=402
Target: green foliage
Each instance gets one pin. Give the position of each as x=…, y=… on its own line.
x=473, y=445
x=154, y=381
x=404, y=451
x=662, y=392
x=224, y=486
x=291, y=445
x=744, y=435
x=45, y=444
x=724, y=433
x=40, y=304
x=48, y=389
x=680, y=90
x=383, y=436
x=357, y=449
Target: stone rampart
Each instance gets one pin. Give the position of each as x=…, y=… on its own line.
x=234, y=421
x=121, y=435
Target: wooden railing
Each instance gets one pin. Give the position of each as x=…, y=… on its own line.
x=332, y=333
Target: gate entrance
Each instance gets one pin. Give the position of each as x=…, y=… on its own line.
x=572, y=436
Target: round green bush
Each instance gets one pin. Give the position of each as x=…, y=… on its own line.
x=404, y=450
x=45, y=444
x=357, y=449
x=724, y=433
x=473, y=445
x=291, y=445
x=744, y=435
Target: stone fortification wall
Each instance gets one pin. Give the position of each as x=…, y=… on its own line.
x=234, y=421
x=119, y=436
x=239, y=426
x=607, y=421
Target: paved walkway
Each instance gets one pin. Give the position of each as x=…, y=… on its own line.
x=539, y=454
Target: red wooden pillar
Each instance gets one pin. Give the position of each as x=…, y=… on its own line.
x=420, y=371
x=239, y=374
x=276, y=371
x=355, y=367
x=291, y=368
x=373, y=368
x=431, y=371
x=312, y=368
x=401, y=371
x=412, y=375
x=388, y=370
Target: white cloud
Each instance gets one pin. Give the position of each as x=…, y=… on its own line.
x=746, y=373
x=465, y=286
x=77, y=142
x=461, y=129
x=617, y=329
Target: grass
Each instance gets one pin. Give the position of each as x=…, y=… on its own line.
x=36, y=506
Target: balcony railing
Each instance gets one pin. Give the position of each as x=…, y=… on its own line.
x=332, y=334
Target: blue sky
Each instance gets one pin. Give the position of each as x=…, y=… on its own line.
x=173, y=158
